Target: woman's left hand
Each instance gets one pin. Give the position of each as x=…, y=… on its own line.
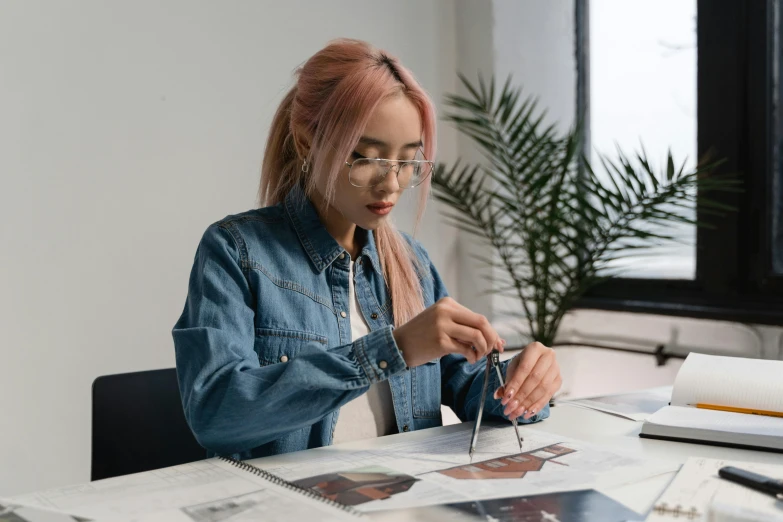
x=532, y=379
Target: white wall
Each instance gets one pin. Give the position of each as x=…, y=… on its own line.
x=125, y=129
x=475, y=55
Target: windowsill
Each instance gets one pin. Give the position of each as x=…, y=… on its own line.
x=750, y=312
x=643, y=334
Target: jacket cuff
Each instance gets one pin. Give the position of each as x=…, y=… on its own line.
x=379, y=355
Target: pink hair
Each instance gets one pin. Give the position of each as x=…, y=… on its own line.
x=321, y=120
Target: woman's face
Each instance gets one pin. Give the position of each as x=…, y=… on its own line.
x=393, y=132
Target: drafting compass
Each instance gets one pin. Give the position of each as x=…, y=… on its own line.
x=493, y=361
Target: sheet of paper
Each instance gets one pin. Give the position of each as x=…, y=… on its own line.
x=563, y=506
x=181, y=493
x=438, y=470
x=729, y=381
x=637, y=406
x=697, y=485
x=13, y=512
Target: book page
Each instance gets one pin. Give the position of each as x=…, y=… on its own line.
x=724, y=421
x=697, y=486
x=730, y=381
x=189, y=491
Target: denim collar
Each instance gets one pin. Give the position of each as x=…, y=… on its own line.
x=319, y=244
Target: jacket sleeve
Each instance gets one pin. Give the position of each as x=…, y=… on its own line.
x=231, y=402
x=461, y=382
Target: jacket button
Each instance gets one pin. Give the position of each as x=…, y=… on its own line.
x=343, y=314
x=374, y=316
x=284, y=358
x=342, y=256
x=405, y=428
x=382, y=365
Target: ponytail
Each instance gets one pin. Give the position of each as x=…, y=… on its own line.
x=279, y=173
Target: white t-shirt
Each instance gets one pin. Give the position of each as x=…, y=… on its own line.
x=372, y=414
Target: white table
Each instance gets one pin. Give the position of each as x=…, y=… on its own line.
x=578, y=423
x=566, y=420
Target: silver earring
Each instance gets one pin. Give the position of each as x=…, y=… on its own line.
x=305, y=166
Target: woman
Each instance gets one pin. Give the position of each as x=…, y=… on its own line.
x=312, y=320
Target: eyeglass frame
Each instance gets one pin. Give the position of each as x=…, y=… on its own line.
x=394, y=163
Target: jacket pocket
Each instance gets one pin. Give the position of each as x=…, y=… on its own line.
x=425, y=381
x=275, y=345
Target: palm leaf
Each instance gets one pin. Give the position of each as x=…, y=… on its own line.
x=557, y=227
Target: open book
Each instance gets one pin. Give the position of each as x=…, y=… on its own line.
x=728, y=401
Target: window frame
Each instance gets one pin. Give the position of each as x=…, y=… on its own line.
x=737, y=121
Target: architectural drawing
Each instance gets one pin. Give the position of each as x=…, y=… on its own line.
x=510, y=466
x=358, y=486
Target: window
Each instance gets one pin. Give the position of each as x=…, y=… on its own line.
x=733, y=271
x=777, y=152
x=643, y=91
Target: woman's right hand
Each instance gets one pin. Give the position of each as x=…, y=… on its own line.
x=443, y=328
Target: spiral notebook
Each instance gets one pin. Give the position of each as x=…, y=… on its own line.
x=697, y=493
x=214, y=489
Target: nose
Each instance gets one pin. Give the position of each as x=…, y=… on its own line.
x=390, y=184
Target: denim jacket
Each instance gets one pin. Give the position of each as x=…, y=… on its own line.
x=263, y=347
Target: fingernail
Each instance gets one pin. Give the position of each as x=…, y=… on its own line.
x=530, y=414
x=510, y=393
x=512, y=406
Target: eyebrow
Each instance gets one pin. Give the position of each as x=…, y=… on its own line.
x=369, y=141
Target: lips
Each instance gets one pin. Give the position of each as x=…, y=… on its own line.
x=380, y=209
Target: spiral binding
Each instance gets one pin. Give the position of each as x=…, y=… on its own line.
x=279, y=481
x=677, y=511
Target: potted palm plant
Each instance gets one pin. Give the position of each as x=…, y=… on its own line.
x=557, y=226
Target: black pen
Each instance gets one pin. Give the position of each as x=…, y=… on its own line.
x=758, y=482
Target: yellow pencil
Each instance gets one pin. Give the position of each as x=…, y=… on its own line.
x=739, y=410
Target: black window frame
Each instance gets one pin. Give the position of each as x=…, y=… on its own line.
x=737, y=119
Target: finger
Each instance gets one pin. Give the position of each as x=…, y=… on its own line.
x=512, y=409
x=454, y=346
x=550, y=383
x=538, y=375
x=527, y=404
x=527, y=361
x=463, y=316
x=538, y=405
x=512, y=367
x=539, y=398
x=470, y=336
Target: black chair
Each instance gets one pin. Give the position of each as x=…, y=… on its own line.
x=138, y=424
